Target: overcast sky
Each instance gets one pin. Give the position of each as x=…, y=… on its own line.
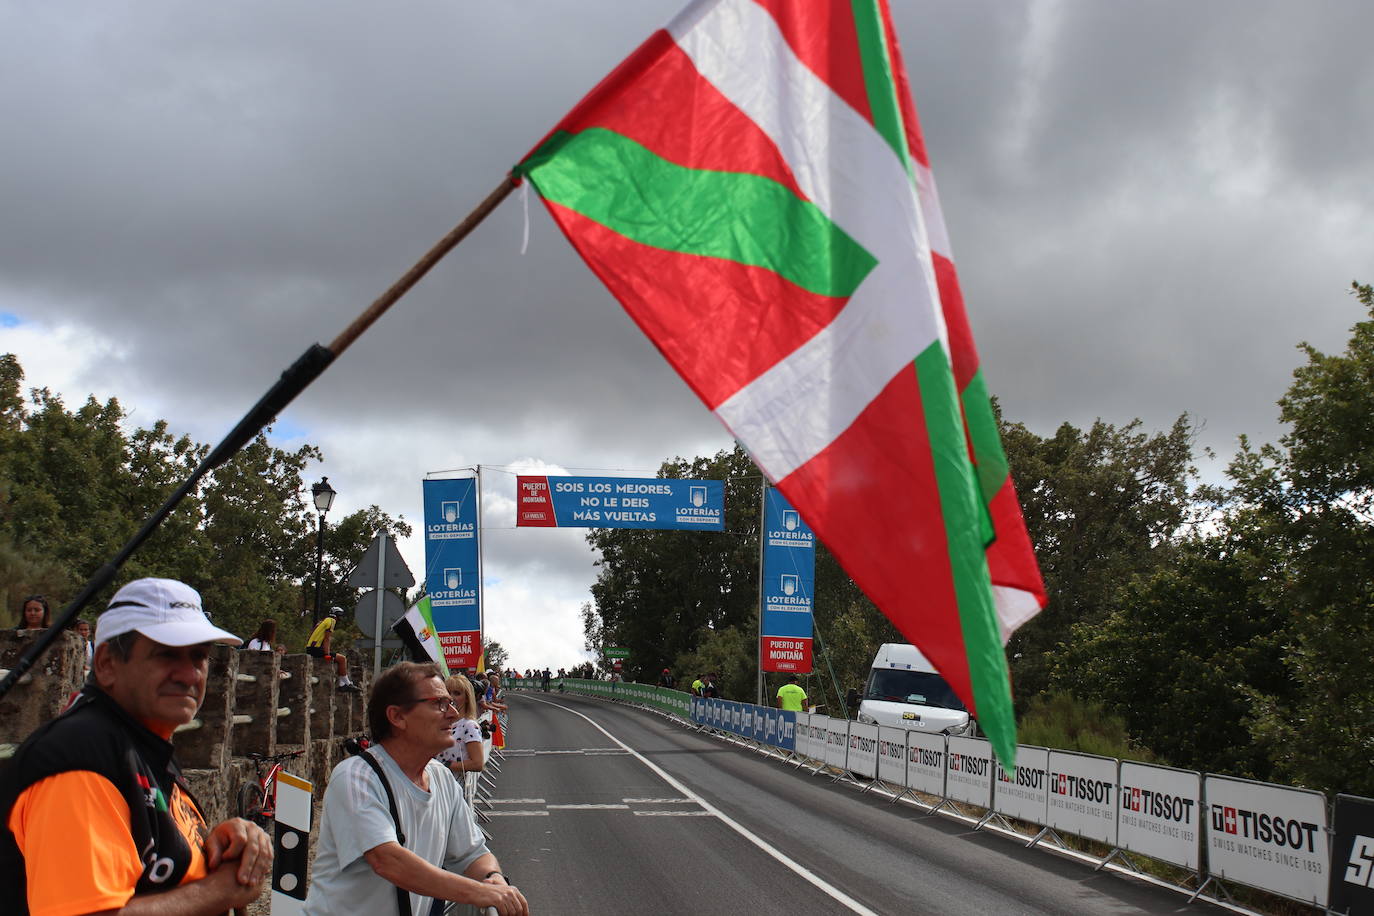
x=1150, y=205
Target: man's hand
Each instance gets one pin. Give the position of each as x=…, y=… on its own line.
x=507, y=900
x=245, y=841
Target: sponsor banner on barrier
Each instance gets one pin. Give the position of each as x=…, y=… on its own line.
x=1160, y=810
x=787, y=729
x=892, y=755
x=620, y=502
x=1352, y=855
x=452, y=564
x=698, y=710
x=968, y=770
x=925, y=763
x=836, y=742
x=1268, y=836
x=1025, y=793
x=1083, y=795
x=802, y=742
x=863, y=750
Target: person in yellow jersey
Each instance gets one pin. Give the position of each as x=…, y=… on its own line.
x=792, y=697
x=320, y=645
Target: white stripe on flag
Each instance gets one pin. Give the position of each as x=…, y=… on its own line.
x=792, y=411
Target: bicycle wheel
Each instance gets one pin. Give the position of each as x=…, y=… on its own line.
x=250, y=803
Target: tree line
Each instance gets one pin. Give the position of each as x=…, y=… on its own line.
x=1227, y=625
x=76, y=483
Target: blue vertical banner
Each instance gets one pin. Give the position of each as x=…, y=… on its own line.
x=453, y=573
x=789, y=580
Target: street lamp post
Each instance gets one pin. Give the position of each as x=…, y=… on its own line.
x=324, y=498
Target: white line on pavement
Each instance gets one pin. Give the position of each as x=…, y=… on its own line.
x=814, y=879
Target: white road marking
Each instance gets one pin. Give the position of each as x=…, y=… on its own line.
x=539, y=813
x=642, y=813
x=815, y=880
x=586, y=807
x=515, y=801
x=658, y=801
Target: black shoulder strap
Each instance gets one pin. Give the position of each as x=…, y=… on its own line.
x=353, y=747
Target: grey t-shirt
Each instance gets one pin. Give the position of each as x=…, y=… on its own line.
x=438, y=827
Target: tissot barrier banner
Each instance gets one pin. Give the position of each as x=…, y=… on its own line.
x=619, y=502
x=789, y=578
x=925, y=762
x=452, y=570
x=1024, y=794
x=863, y=750
x=1083, y=795
x=1268, y=836
x=892, y=755
x=968, y=770
x=1159, y=812
x=1352, y=855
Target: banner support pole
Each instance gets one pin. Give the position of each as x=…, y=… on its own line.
x=763, y=540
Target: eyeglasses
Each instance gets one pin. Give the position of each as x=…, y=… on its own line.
x=440, y=705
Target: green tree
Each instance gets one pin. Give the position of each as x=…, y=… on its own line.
x=75, y=485
x=1317, y=490
x=1101, y=505
x=661, y=593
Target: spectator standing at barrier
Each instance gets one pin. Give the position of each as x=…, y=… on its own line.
x=699, y=686
x=711, y=690
x=546, y=680
x=666, y=679
x=34, y=613
x=434, y=849
x=466, y=755
x=320, y=645
x=265, y=639
x=94, y=813
x=791, y=696
x=82, y=628
x=491, y=698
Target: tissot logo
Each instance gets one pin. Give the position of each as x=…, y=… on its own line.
x=1081, y=788
x=1161, y=805
x=1263, y=827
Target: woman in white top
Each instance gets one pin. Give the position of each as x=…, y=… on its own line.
x=262, y=640
x=466, y=755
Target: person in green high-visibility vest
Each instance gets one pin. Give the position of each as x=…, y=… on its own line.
x=791, y=696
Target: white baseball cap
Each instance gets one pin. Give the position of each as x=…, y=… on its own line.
x=164, y=610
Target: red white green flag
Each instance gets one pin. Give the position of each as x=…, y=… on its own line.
x=751, y=184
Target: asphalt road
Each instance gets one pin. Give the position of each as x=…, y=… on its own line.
x=584, y=826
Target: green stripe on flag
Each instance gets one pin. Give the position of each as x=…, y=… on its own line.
x=752, y=220
x=878, y=80
x=987, y=440
x=964, y=515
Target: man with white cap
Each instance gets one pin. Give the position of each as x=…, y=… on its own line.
x=95, y=816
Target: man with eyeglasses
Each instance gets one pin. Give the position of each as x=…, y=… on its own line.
x=361, y=860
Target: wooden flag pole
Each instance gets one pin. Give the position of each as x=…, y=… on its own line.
x=293, y=381
x=423, y=266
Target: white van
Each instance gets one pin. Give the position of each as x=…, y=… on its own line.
x=904, y=691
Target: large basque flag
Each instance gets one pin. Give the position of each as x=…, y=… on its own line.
x=751, y=184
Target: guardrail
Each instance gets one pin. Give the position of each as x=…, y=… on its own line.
x=1283, y=840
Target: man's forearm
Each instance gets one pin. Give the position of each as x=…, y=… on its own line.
x=397, y=865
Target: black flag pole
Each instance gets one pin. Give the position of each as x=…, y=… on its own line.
x=293, y=381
